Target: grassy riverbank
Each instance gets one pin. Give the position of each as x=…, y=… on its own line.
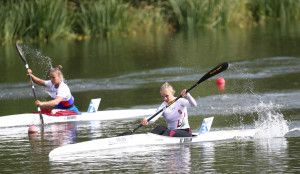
x=81, y=19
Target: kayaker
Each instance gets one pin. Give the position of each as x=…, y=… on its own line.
x=57, y=89
x=175, y=115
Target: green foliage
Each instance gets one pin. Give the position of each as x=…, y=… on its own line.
x=191, y=14
x=79, y=19
x=116, y=17
x=40, y=19
x=103, y=17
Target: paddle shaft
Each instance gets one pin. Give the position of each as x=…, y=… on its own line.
x=31, y=81
x=220, y=68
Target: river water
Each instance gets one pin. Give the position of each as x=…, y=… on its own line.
x=262, y=91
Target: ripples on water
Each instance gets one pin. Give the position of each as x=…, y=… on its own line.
x=247, y=70
x=275, y=148
x=266, y=153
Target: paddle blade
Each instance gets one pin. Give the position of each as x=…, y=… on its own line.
x=218, y=69
x=22, y=56
x=19, y=49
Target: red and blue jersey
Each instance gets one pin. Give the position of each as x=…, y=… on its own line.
x=65, y=104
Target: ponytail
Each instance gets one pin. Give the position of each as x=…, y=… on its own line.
x=166, y=85
x=57, y=69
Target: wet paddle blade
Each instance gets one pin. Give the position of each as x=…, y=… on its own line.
x=22, y=56
x=19, y=48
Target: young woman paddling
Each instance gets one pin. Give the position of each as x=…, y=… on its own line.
x=57, y=89
x=175, y=115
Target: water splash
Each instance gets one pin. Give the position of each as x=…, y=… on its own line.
x=270, y=123
x=35, y=57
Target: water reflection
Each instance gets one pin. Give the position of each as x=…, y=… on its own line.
x=271, y=154
x=236, y=156
x=53, y=135
x=242, y=155
x=174, y=159
x=153, y=159
x=206, y=157
x=217, y=157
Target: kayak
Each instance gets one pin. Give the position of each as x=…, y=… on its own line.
x=34, y=118
x=145, y=139
x=58, y=116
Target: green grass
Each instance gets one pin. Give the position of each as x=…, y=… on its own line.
x=101, y=18
x=47, y=20
x=191, y=14
x=35, y=19
x=114, y=17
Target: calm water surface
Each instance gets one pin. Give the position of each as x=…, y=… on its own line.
x=262, y=91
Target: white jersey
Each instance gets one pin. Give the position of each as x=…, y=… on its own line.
x=176, y=114
x=63, y=90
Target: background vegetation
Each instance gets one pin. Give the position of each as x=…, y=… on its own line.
x=81, y=19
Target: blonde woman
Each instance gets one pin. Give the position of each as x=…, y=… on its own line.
x=175, y=115
x=57, y=89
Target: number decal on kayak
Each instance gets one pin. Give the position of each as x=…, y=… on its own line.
x=185, y=140
x=118, y=140
x=73, y=117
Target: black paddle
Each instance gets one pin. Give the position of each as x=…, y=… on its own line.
x=18, y=46
x=220, y=68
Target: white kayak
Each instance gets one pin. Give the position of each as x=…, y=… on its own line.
x=91, y=115
x=146, y=139
x=34, y=118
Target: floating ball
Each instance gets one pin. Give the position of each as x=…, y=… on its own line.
x=220, y=84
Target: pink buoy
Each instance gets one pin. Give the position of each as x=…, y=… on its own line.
x=33, y=129
x=220, y=84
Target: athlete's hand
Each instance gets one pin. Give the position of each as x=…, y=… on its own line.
x=144, y=122
x=29, y=72
x=183, y=93
x=38, y=103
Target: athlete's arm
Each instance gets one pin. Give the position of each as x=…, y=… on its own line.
x=189, y=97
x=35, y=79
x=50, y=103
